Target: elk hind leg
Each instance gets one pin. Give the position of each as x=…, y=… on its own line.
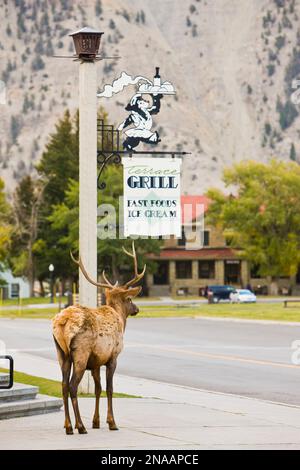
x=110, y=369
x=65, y=365
x=97, y=380
x=79, y=367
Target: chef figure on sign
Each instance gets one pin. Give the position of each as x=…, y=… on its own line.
x=145, y=103
x=140, y=118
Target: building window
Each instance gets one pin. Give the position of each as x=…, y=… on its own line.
x=232, y=271
x=161, y=277
x=206, y=238
x=14, y=290
x=207, y=269
x=183, y=269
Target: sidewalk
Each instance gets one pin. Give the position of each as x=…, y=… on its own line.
x=169, y=416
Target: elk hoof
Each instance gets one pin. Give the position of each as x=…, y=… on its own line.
x=96, y=424
x=82, y=430
x=113, y=427
x=69, y=430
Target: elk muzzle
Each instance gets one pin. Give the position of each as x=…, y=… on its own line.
x=134, y=310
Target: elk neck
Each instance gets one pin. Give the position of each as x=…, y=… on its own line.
x=118, y=305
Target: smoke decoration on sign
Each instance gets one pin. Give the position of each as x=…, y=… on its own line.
x=137, y=126
x=152, y=197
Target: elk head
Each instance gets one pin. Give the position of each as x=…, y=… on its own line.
x=119, y=296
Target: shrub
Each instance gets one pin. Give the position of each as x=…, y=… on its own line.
x=271, y=69
x=293, y=153
x=98, y=8
x=37, y=63
x=280, y=42
x=15, y=128
x=287, y=113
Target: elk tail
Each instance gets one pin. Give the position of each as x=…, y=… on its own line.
x=58, y=333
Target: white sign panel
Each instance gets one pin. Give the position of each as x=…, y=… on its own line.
x=152, y=196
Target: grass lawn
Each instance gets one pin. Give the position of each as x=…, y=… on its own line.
x=32, y=300
x=53, y=387
x=226, y=310
x=29, y=313
x=260, y=311
x=46, y=300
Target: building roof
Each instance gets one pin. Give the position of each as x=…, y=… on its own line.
x=193, y=207
x=203, y=253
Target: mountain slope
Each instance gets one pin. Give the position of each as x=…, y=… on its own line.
x=231, y=61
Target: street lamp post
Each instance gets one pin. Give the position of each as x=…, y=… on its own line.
x=87, y=43
x=51, y=270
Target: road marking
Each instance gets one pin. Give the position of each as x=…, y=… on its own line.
x=217, y=356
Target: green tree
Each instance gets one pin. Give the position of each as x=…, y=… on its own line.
x=263, y=219
x=59, y=164
x=59, y=161
x=5, y=227
x=27, y=200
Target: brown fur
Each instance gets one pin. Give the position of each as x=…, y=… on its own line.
x=87, y=338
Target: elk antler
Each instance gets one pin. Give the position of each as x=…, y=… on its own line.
x=107, y=285
x=137, y=276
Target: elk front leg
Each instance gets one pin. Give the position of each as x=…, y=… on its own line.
x=96, y=376
x=110, y=369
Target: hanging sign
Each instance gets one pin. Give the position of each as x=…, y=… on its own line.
x=152, y=196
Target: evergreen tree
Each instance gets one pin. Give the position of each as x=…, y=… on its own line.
x=293, y=153
x=98, y=8
x=58, y=164
x=59, y=161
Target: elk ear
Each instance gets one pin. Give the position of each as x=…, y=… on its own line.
x=133, y=292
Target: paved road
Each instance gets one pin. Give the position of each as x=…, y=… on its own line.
x=239, y=357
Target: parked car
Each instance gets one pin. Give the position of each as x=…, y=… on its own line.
x=242, y=296
x=217, y=293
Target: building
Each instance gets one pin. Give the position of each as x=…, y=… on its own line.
x=186, y=268
x=15, y=286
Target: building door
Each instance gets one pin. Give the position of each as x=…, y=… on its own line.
x=232, y=274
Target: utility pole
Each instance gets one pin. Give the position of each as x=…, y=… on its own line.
x=87, y=43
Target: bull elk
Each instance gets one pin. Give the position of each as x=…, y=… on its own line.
x=88, y=338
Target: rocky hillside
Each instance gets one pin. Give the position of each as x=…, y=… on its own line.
x=232, y=63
